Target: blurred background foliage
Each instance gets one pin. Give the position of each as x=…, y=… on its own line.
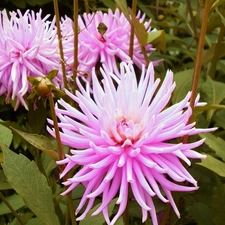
x=181, y=22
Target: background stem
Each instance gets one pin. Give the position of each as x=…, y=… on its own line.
x=198, y=63
x=11, y=209
x=56, y=9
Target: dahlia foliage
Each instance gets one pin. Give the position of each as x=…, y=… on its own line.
x=103, y=38
x=122, y=137
x=28, y=47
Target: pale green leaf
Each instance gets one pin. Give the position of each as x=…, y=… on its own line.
x=213, y=92
x=157, y=39
x=4, y=184
x=15, y=201
x=34, y=221
x=214, y=164
x=5, y=135
x=215, y=143
x=182, y=88
x=25, y=178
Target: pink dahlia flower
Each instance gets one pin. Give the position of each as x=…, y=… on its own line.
x=122, y=137
x=28, y=47
x=103, y=37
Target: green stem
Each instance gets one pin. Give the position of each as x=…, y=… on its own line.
x=131, y=48
x=213, y=63
x=126, y=214
x=56, y=127
x=166, y=215
x=56, y=9
x=11, y=208
x=192, y=20
x=71, y=208
x=61, y=156
x=75, y=27
x=198, y=61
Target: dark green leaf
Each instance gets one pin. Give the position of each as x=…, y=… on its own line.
x=218, y=203
x=40, y=142
x=201, y=213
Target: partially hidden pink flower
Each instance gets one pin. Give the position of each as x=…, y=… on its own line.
x=103, y=38
x=121, y=137
x=28, y=47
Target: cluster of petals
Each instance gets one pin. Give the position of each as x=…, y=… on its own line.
x=28, y=47
x=96, y=47
x=122, y=137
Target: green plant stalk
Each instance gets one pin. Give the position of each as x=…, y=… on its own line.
x=61, y=156
x=131, y=48
x=192, y=20
x=166, y=215
x=56, y=127
x=213, y=63
x=198, y=61
x=56, y=9
x=11, y=209
x=75, y=27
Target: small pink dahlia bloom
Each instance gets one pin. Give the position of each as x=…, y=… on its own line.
x=121, y=137
x=104, y=38
x=28, y=47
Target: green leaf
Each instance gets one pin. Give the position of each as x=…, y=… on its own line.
x=4, y=184
x=99, y=219
x=213, y=92
x=40, y=142
x=15, y=201
x=201, y=213
x=139, y=29
x=218, y=203
x=34, y=221
x=5, y=136
x=157, y=39
x=25, y=178
x=37, y=117
x=122, y=5
x=215, y=143
x=214, y=164
x=182, y=88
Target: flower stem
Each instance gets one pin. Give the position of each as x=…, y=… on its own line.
x=198, y=63
x=56, y=9
x=86, y=5
x=201, y=43
x=11, y=209
x=131, y=48
x=165, y=215
x=61, y=156
x=75, y=27
x=57, y=134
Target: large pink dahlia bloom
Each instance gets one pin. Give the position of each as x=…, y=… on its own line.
x=122, y=137
x=28, y=47
x=104, y=38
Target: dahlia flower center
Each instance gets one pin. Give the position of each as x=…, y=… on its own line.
x=126, y=130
